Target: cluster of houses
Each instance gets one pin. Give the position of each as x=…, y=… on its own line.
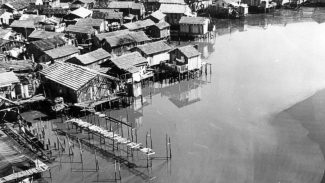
x=89, y=50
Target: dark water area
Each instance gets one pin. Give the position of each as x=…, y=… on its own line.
x=259, y=117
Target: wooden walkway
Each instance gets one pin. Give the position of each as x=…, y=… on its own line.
x=40, y=167
x=111, y=135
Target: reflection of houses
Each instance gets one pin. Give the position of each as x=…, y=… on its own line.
x=194, y=26
x=160, y=30
x=184, y=93
x=91, y=59
x=185, y=58
x=76, y=83
x=59, y=54
x=155, y=52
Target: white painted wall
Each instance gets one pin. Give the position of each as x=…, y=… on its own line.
x=156, y=59
x=194, y=63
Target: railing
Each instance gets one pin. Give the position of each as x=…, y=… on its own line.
x=181, y=68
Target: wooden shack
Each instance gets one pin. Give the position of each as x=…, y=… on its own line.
x=185, y=58
x=92, y=59
x=24, y=27
x=99, y=25
x=121, y=43
x=174, y=12
x=37, y=48
x=194, y=26
x=155, y=52
x=160, y=30
x=59, y=54
x=8, y=83
x=77, y=83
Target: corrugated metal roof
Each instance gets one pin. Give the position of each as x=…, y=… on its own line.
x=139, y=24
x=23, y=24
x=124, y=5
x=154, y=47
x=189, y=51
x=174, y=8
x=35, y=18
x=127, y=38
x=172, y=2
x=41, y=34
x=108, y=14
x=80, y=29
x=93, y=56
x=71, y=75
x=162, y=25
x=48, y=44
x=8, y=78
x=89, y=22
x=158, y=15
x=193, y=20
x=129, y=61
x=4, y=32
x=81, y=12
x=109, y=34
x=62, y=51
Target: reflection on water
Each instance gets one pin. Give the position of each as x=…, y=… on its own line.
x=234, y=127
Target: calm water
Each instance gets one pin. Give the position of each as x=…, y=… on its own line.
x=251, y=121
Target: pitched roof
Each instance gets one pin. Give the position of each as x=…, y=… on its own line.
x=139, y=24
x=23, y=24
x=7, y=78
x=154, y=47
x=93, y=56
x=109, y=34
x=128, y=61
x=62, y=51
x=123, y=39
x=174, y=8
x=81, y=12
x=17, y=65
x=172, y=2
x=18, y=4
x=193, y=20
x=124, y=5
x=48, y=44
x=162, y=25
x=80, y=29
x=70, y=75
x=107, y=14
x=158, y=15
x=189, y=51
x=89, y=22
x=55, y=11
x=4, y=32
x=35, y=18
x=41, y=34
